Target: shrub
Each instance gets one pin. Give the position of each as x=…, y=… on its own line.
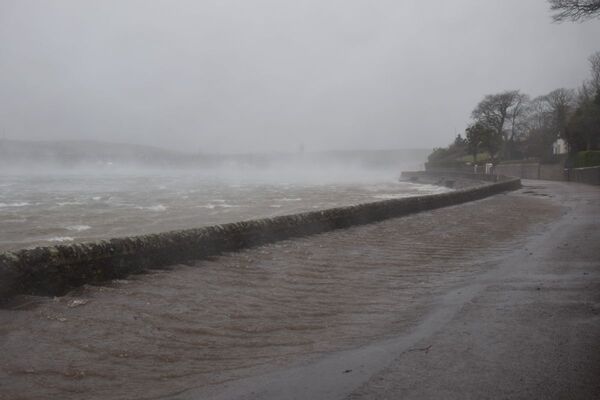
x=590, y=158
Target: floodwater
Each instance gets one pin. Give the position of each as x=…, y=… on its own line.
x=59, y=208
x=202, y=326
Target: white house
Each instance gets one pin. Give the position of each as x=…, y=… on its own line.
x=560, y=147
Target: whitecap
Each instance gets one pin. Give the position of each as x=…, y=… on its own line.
x=78, y=228
x=275, y=205
x=61, y=239
x=158, y=207
x=290, y=199
x=69, y=203
x=18, y=204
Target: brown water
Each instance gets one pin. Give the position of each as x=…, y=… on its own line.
x=62, y=208
x=255, y=311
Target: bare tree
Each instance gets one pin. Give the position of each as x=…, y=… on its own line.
x=583, y=130
x=560, y=104
x=574, y=10
x=474, y=138
x=547, y=119
x=595, y=66
x=492, y=111
x=517, y=114
x=502, y=113
x=538, y=114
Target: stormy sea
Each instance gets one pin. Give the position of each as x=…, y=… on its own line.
x=61, y=192
x=44, y=209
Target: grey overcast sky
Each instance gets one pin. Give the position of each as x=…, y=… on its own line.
x=269, y=75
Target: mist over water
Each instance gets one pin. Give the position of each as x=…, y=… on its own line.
x=51, y=203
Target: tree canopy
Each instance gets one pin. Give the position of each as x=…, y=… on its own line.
x=574, y=10
x=511, y=126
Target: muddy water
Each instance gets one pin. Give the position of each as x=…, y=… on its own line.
x=63, y=208
x=201, y=326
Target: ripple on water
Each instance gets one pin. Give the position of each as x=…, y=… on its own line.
x=16, y=204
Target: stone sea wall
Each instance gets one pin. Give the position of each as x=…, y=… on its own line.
x=589, y=175
x=532, y=170
x=550, y=172
x=55, y=270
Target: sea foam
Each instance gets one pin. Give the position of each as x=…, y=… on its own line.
x=78, y=228
x=60, y=239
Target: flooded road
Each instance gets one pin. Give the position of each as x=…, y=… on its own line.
x=238, y=315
